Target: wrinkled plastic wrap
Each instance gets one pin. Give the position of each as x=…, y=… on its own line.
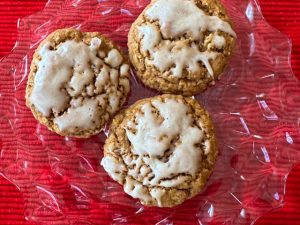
x=255, y=108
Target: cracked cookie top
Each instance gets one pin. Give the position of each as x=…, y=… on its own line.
x=161, y=149
x=77, y=82
x=181, y=46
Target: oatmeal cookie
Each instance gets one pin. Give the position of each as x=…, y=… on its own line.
x=77, y=81
x=181, y=46
x=161, y=149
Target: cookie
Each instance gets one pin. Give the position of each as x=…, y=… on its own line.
x=77, y=81
x=181, y=46
x=161, y=149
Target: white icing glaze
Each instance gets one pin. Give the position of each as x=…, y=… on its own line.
x=183, y=56
x=90, y=90
x=173, y=182
x=178, y=17
x=114, y=58
x=136, y=190
x=218, y=41
x=54, y=71
x=102, y=79
x=157, y=194
x=95, y=43
x=76, y=102
x=144, y=172
x=79, y=81
x=114, y=101
x=175, y=19
x=136, y=164
x=151, y=37
x=178, y=53
x=117, y=170
x=153, y=138
x=124, y=70
x=66, y=75
x=102, y=100
x=86, y=116
x=113, y=167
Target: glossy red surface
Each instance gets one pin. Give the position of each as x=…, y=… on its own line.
x=284, y=15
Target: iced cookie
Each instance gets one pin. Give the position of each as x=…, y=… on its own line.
x=77, y=81
x=181, y=46
x=161, y=149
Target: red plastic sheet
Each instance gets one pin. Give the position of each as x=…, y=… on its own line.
x=285, y=90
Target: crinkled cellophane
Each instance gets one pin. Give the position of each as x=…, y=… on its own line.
x=254, y=106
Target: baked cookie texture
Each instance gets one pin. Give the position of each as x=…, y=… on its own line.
x=161, y=149
x=77, y=81
x=181, y=46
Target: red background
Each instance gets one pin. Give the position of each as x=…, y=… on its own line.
x=284, y=15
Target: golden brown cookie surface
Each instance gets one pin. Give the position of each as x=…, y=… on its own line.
x=161, y=149
x=181, y=46
x=77, y=81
